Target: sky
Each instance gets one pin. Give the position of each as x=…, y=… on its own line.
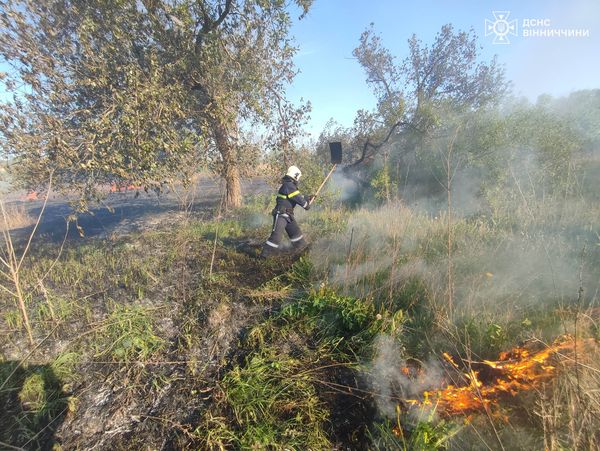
x=333, y=81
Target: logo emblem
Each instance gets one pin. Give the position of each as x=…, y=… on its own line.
x=501, y=27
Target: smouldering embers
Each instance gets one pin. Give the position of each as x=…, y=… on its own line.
x=515, y=371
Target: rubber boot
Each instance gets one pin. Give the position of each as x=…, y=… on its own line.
x=268, y=251
x=300, y=246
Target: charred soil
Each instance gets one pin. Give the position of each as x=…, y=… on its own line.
x=148, y=326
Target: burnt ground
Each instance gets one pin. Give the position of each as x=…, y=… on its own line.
x=123, y=212
x=200, y=321
x=154, y=403
x=158, y=403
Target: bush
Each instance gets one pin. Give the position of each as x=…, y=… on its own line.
x=275, y=405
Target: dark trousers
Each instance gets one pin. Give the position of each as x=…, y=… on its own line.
x=285, y=222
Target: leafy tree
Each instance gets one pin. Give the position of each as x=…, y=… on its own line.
x=241, y=73
x=581, y=111
x=89, y=102
x=139, y=91
x=413, y=95
x=515, y=155
x=284, y=129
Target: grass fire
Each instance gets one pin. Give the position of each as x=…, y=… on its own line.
x=486, y=384
x=299, y=225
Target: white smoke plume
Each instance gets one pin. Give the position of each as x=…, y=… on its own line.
x=390, y=384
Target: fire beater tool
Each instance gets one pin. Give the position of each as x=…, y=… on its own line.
x=335, y=149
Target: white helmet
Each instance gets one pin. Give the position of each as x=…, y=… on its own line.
x=294, y=173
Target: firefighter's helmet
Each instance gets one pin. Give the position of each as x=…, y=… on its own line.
x=294, y=173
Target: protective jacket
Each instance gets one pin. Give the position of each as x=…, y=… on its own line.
x=289, y=196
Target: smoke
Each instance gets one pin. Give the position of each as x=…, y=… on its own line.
x=466, y=197
x=370, y=244
x=518, y=273
x=256, y=220
x=523, y=240
x=346, y=188
x=466, y=193
x=390, y=383
x=382, y=250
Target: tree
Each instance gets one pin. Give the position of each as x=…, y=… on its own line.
x=90, y=101
x=444, y=76
x=138, y=91
x=284, y=130
x=530, y=153
x=581, y=109
x=241, y=71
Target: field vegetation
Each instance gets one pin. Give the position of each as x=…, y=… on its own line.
x=140, y=344
x=450, y=296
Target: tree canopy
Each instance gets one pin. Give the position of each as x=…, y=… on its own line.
x=139, y=91
x=414, y=94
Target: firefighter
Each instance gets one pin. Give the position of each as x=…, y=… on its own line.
x=288, y=197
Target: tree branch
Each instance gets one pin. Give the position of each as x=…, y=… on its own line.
x=368, y=144
x=210, y=24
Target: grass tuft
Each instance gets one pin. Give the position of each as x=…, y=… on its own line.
x=129, y=335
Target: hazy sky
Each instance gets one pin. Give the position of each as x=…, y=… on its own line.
x=334, y=82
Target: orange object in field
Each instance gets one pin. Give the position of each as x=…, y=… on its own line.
x=116, y=188
x=517, y=370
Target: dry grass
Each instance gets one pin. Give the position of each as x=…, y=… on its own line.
x=16, y=217
x=570, y=414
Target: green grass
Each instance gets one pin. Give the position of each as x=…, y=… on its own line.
x=128, y=335
x=275, y=405
x=33, y=403
x=271, y=384
x=426, y=434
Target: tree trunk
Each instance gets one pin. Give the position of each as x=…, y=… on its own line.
x=233, y=188
x=231, y=172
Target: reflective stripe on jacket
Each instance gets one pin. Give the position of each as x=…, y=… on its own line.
x=289, y=196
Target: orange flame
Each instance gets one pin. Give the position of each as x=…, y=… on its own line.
x=515, y=371
x=117, y=188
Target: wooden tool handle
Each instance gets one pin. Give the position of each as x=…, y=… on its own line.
x=323, y=184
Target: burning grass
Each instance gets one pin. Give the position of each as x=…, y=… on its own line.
x=487, y=383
